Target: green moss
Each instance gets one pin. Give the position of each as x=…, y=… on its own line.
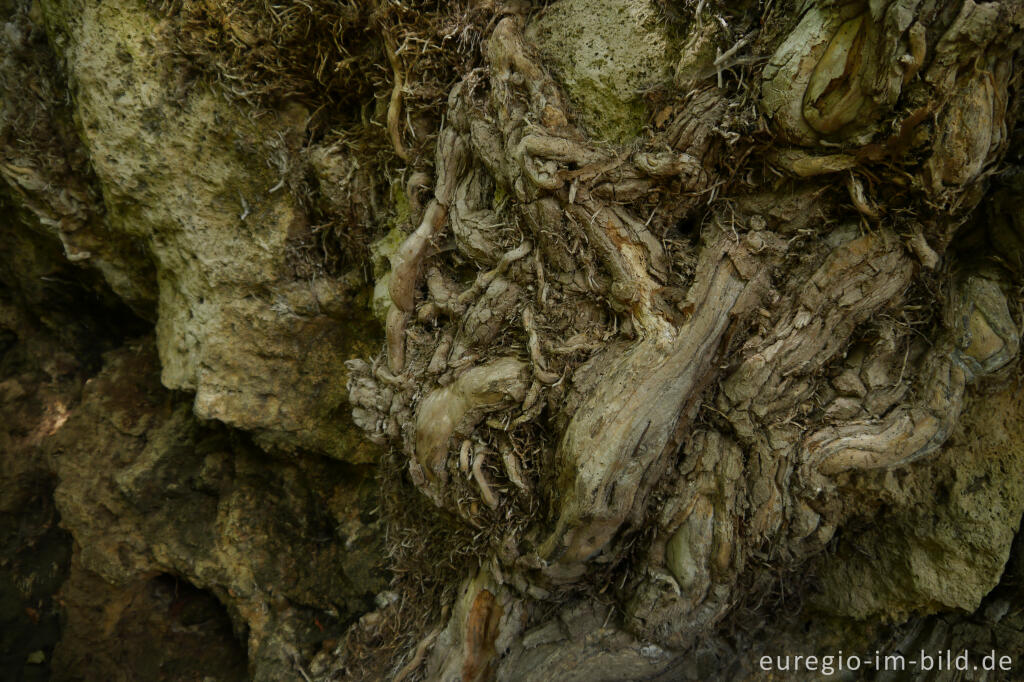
x=607, y=116
x=381, y=252
x=403, y=211
x=501, y=197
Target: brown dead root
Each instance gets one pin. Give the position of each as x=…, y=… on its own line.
x=427, y=555
x=395, y=101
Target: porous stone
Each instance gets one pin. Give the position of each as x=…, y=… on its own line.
x=605, y=53
x=947, y=541
x=183, y=172
x=145, y=488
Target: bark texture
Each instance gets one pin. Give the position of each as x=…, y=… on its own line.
x=511, y=340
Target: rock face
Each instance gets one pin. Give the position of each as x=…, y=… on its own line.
x=146, y=489
x=186, y=177
x=37, y=386
x=573, y=340
x=605, y=54
x=159, y=628
x=187, y=536
x=922, y=557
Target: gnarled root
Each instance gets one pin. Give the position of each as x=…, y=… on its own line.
x=601, y=349
x=458, y=407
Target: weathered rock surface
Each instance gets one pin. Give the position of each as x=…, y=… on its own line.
x=605, y=53
x=151, y=628
x=38, y=384
x=922, y=557
x=55, y=321
x=145, y=488
x=185, y=175
x=48, y=181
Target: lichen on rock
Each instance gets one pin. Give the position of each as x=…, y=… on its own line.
x=605, y=54
x=183, y=172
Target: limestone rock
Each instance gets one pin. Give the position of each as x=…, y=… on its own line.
x=145, y=488
x=151, y=629
x=47, y=184
x=926, y=557
x=605, y=54
x=183, y=172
